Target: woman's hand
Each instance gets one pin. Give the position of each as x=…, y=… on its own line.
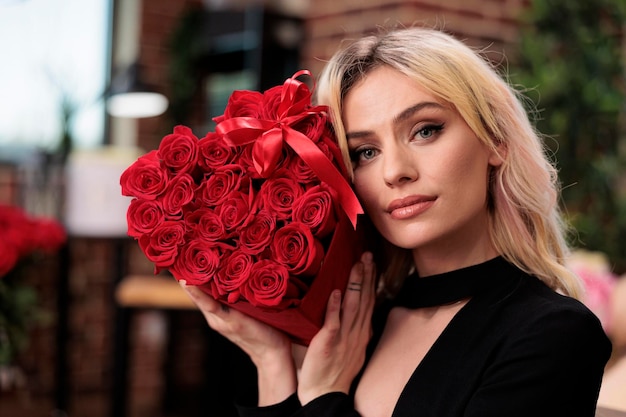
x=337, y=352
x=268, y=348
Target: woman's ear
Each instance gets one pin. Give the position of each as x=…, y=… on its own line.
x=497, y=155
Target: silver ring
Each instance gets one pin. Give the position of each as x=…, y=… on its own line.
x=355, y=286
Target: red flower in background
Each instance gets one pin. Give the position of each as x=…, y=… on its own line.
x=9, y=255
x=22, y=235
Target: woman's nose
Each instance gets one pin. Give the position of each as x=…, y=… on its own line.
x=398, y=166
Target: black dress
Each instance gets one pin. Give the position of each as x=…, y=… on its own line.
x=517, y=348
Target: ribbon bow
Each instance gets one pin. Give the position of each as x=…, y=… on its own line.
x=269, y=135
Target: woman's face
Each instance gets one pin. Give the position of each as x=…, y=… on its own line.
x=419, y=170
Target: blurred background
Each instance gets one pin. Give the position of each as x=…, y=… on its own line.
x=107, y=342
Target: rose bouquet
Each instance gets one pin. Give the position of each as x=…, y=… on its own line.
x=259, y=213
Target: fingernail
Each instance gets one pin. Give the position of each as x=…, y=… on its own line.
x=183, y=283
x=367, y=257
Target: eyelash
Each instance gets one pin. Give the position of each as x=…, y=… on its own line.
x=434, y=129
x=355, y=155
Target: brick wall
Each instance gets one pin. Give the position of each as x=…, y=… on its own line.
x=490, y=24
x=160, y=18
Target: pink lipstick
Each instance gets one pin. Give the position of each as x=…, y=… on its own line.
x=411, y=206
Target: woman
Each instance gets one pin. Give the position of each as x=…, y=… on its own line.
x=454, y=178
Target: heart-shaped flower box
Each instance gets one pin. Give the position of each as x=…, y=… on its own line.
x=259, y=213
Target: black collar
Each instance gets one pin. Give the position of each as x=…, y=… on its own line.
x=449, y=287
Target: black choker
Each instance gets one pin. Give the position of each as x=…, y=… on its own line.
x=449, y=287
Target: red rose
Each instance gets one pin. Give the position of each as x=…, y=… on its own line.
x=8, y=257
x=180, y=191
x=301, y=171
x=270, y=285
x=216, y=188
x=278, y=194
x=314, y=209
x=313, y=126
x=330, y=148
x=179, y=150
x=162, y=246
x=295, y=247
x=198, y=262
x=24, y=234
x=206, y=224
x=21, y=235
x=234, y=210
x=50, y=234
x=14, y=240
x=145, y=178
x=232, y=275
x=242, y=104
x=271, y=101
x=33, y=235
x=256, y=235
x=213, y=152
x=298, y=100
x=143, y=216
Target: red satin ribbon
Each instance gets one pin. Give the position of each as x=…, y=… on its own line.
x=268, y=137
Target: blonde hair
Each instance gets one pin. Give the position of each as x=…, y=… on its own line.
x=526, y=225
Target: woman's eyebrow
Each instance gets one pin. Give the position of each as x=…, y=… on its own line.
x=357, y=135
x=402, y=116
x=407, y=113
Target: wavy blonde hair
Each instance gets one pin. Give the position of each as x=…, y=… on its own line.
x=526, y=225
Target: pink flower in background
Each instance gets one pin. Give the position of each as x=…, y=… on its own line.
x=599, y=282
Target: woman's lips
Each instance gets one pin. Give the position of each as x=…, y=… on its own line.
x=411, y=206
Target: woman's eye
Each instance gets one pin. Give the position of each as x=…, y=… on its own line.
x=363, y=154
x=428, y=131
x=367, y=153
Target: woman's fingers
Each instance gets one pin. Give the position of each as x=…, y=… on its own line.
x=332, y=320
x=359, y=297
x=202, y=300
x=368, y=293
x=268, y=348
x=211, y=309
x=337, y=352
